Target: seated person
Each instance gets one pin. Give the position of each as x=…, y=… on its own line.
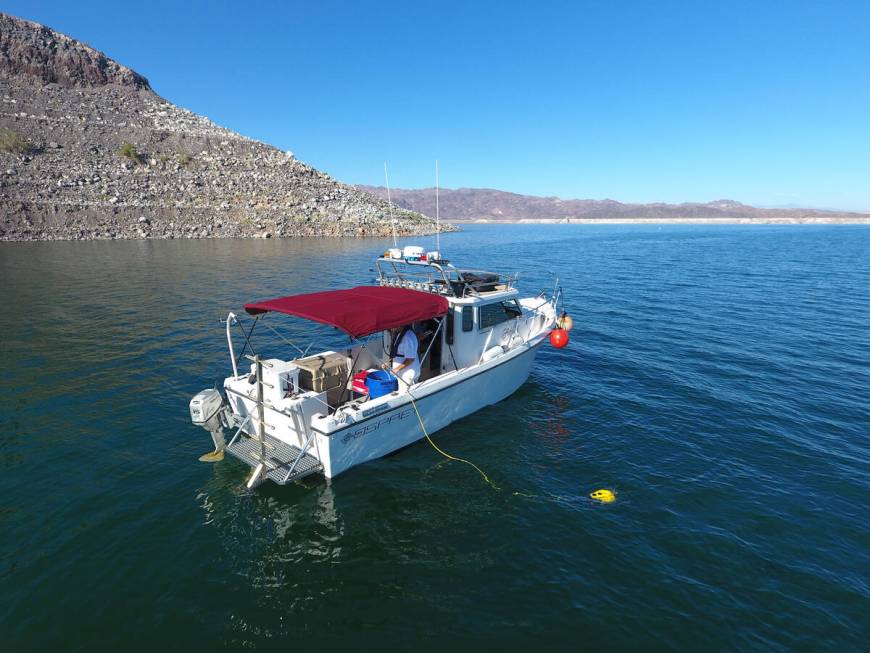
x=404, y=357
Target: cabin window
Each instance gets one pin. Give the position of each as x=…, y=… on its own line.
x=467, y=318
x=450, y=318
x=492, y=314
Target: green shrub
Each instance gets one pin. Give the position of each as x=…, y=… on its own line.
x=184, y=158
x=13, y=142
x=129, y=150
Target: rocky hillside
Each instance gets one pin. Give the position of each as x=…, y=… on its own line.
x=484, y=204
x=88, y=150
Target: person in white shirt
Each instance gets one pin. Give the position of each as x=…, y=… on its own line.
x=406, y=361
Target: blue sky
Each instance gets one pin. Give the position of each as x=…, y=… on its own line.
x=763, y=102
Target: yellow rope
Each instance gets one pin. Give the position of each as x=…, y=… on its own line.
x=444, y=453
x=603, y=496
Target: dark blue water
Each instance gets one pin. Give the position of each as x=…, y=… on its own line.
x=717, y=379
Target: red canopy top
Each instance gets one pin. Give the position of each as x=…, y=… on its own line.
x=358, y=311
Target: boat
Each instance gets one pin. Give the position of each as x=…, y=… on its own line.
x=324, y=413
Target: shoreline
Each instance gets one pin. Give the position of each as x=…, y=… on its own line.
x=722, y=221
x=158, y=230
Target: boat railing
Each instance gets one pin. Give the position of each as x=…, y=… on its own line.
x=440, y=277
x=416, y=275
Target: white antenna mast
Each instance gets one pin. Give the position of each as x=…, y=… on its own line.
x=437, y=213
x=390, y=202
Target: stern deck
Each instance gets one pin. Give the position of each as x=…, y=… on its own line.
x=279, y=459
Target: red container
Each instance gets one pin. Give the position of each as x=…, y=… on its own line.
x=359, y=382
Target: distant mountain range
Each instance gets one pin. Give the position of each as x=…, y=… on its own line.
x=488, y=205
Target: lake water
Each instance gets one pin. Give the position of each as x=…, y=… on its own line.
x=717, y=379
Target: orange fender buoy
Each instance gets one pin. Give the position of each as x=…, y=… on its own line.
x=558, y=338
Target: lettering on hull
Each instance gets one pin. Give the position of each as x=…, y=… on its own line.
x=353, y=434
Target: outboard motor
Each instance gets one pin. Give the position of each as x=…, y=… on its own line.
x=207, y=411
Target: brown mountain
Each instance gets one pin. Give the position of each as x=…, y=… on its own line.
x=89, y=150
x=485, y=204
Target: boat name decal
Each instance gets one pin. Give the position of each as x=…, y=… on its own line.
x=371, y=428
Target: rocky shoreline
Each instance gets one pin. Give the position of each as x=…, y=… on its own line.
x=89, y=151
x=130, y=223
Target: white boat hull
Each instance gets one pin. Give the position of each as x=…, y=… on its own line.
x=440, y=402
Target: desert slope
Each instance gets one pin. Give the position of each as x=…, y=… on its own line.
x=89, y=150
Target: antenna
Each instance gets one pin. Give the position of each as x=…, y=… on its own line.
x=390, y=202
x=437, y=213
